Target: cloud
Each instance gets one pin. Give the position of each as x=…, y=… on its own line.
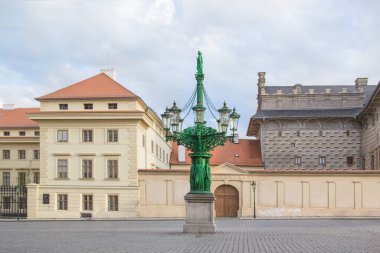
x=152, y=45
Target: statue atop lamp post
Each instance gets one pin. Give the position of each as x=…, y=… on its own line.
x=200, y=140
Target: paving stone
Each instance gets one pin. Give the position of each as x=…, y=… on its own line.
x=234, y=235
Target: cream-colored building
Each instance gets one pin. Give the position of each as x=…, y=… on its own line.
x=19, y=146
x=94, y=135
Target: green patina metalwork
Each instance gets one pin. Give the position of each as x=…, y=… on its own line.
x=200, y=139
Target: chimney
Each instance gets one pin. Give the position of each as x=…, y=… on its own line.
x=261, y=79
x=9, y=107
x=261, y=88
x=236, y=139
x=109, y=72
x=361, y=83
x=181, y=154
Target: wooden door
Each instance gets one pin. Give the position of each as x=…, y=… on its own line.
x=226, y=201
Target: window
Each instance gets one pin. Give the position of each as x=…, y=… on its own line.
x=113, y=202
x=22, y=154
x=62, y=135
x=36, y=177
x=7, y=133
x=62, y=168
x=36, y=133
x=22, y=202
x=6, y=178
x=21, y=133
x=86, y=168
x=63, y=106
x=322, y=160
x=372, y=162
x=6, y=202
x=87, y=202
x=350, y=160
x=152, y=146
x=163, y=155
x=112, y=168
x=62, y=202
x=157, y=150
x=86, y=135
x=160, y=153
x=293, y=144
x=112, y=135
x=348, y=133
x=112, y=106
x=21, y=178
x=143, y=140
x=363, y=162
x=88, y=106
x=279, y=133
x=167, y=158
x=36, y=154
x=6, y=154
x=297, y=160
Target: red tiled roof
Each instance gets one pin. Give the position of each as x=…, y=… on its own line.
x=245, y=153
x=99, y=86
x=17, y=118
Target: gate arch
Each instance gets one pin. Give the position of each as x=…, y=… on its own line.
x=226, y=201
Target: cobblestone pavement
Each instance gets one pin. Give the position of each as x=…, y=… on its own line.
x=234, y=235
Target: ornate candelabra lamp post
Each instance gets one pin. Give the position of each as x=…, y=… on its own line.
x=200, y=140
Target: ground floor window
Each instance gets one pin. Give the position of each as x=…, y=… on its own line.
x=6, y=203
x=113, y=202
x=22, y=203
x=36, y=177
x=6, y=178
x=87, y=202
x=62, y=202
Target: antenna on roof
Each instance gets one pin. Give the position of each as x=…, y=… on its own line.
x=108, y=60
x=109, y=71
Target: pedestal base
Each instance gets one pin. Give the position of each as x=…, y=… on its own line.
x=199, y=213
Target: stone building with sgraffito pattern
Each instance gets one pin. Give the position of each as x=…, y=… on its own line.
x=312, y=127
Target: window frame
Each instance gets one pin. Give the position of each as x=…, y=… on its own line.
x=59, y=167
x=63, y=107
x=36, y=154
x=6, y=179
x=112, y=106
x=21, y=154
x=6, y=133
x=347, y=160
x=113, y=202
x=6, y=155
x=87, y=135
x=111, y=168
x=322, y=160
x=88, y=106
x=112, y=135
x=62, y=202
x=62, y=140
x=22, y=133
x=87, y=168
x=297, y=160
x=87, y=202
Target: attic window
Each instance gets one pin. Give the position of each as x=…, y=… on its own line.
x=88, y=106
x=112, y=106
x=63, y=106
x=22, y=133
x=7, y=133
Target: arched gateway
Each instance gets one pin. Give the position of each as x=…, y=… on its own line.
x=227, y=201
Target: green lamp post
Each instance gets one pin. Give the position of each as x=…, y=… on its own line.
x=200, y=139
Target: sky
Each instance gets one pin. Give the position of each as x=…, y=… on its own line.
x=152, y=45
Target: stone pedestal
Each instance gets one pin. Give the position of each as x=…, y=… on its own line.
x=199, y=213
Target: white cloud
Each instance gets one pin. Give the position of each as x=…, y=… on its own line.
x=153, y=45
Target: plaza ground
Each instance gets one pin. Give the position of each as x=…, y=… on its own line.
x=234, y=235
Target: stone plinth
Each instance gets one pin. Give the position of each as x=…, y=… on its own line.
x=199, y=213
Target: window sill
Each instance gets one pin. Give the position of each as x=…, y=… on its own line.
x=87, y=179
x=62, y=178
x=112, y=179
